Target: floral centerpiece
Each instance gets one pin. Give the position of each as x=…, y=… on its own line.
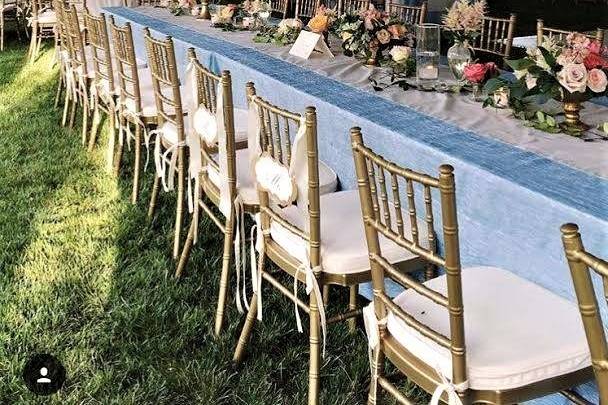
x=371, y=33
x=464, y=21
x=570, y=72
x=285, y=33
x=180, y=7
x=224, y=15
x=256, y=13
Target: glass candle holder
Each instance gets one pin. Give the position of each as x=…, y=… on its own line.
x=427, y=54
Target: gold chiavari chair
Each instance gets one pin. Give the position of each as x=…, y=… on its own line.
x=496, y=36
x=408, y=14
x=353, y=6
x=226, y=179
x=315, y=241
x=279, y=6
x=560, y=35
x=581, y=262
x=103, y=87
x=522, y=341
x=170, y=144
x=10, y=12
x=43, y=20
x=79, y=73
x=306, y=8
x=136, y=100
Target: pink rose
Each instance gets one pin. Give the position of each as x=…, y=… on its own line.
x=384, y=37
x=573, y=77
x=597, y=81
x=475, y=72
x=397, y=30
x=594, y=60
x=595, y=47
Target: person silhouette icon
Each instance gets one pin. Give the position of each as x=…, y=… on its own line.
x=43, y=374
x=44, y=379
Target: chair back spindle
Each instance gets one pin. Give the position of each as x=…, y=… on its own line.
x=126, y=64
x=306, y=8
x=165, y=82
x=496, y=36
x=207, y=86
x=353, y=6
x=408, y=14
x=101, y=53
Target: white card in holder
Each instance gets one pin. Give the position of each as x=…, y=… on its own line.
x=307, y=42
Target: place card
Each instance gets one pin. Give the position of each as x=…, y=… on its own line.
x=308, y=42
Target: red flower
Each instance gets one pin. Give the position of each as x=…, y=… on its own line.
x=594, y=60
x=475, y=72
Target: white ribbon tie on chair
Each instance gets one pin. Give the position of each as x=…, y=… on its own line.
x=372, y=329
x=211, y=127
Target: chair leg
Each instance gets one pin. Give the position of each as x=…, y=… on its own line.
x=315, y=354
x=183, y=259
x=59, y=90
x=32, y=48
x=137, y=164
x=374, y=387
x=247, y=329
x=118, y=158
x=73, y=112
x=181, y=190
x=94, y=126
x=326, y=294
x=225, y=277
x=1, y=32
x=85, y=122
x=66, y=106
x=154, y=196
x=352, y=305
x=111, y=139
x=38, y=46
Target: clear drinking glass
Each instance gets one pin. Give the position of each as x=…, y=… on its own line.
x=427, y=54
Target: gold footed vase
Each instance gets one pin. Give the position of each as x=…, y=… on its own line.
x=204, y=14
x=373, y=59
x=572, y=110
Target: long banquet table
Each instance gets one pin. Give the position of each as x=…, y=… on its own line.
x=515, y=185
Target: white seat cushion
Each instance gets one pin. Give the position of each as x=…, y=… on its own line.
x=516, y=332
x=148, y=102
x=343, y=243
x=244, y=181
x=47, y=17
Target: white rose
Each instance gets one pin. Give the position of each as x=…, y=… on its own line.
x=400, y=53
x=346, y=35
x=289, y=23
x=531, y=81
x=573, y=77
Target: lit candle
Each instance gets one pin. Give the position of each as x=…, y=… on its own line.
x=429, y=72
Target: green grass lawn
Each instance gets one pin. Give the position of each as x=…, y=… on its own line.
x=83, y=276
